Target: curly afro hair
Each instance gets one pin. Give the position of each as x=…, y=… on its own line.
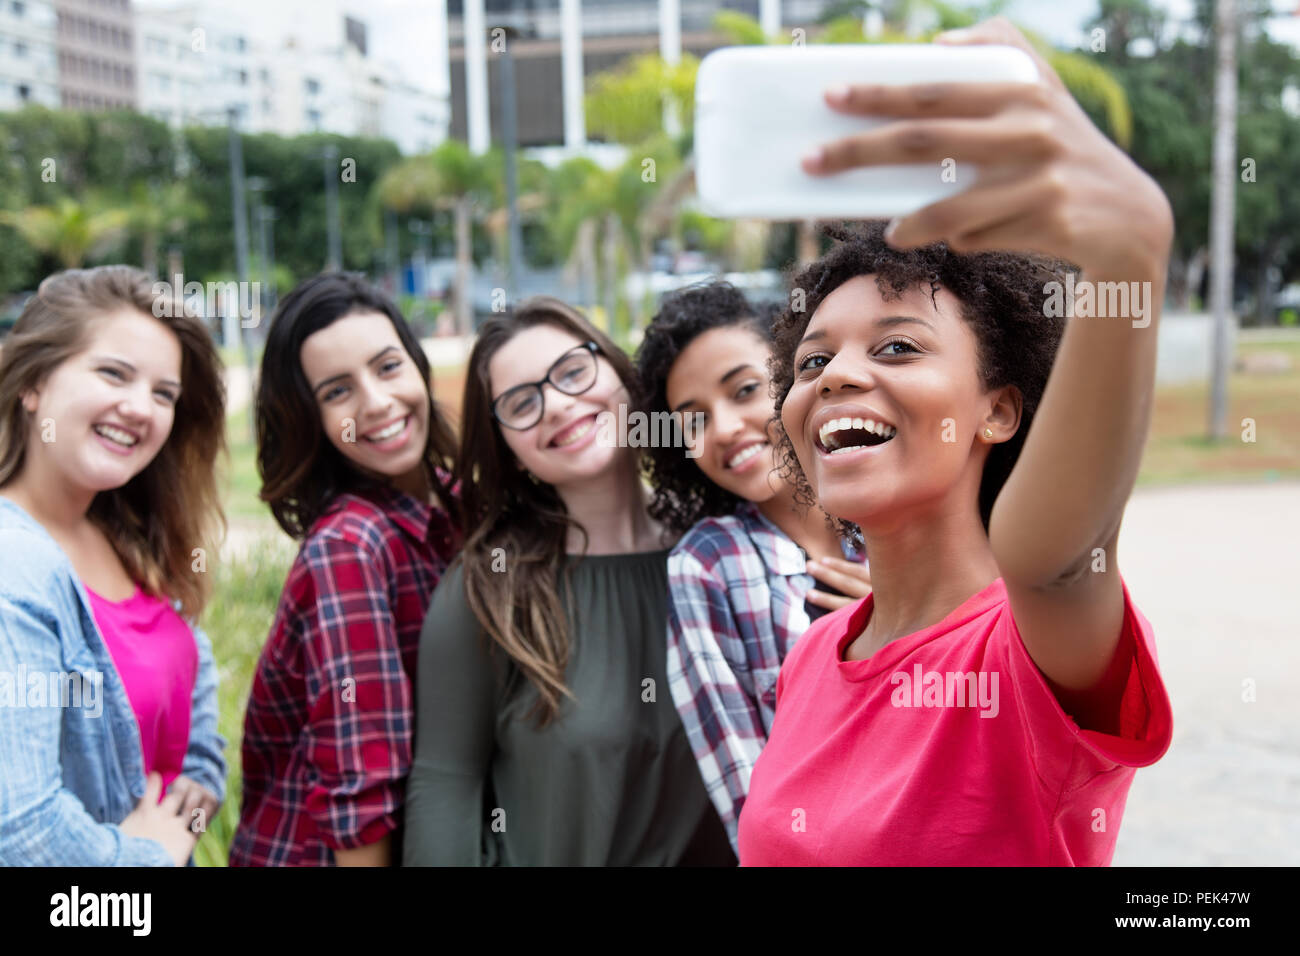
x=683, y=495
x=1002, y=300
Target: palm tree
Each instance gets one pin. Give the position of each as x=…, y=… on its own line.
x=450, y=178
x=584, y=229
x=70, y=231
x=158, y=213
x=626, y=105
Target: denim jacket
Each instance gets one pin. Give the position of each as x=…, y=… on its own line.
x=71, y=768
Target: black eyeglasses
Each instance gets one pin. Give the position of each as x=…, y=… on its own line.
x=573, y=373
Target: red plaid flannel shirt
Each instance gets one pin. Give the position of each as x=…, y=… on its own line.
x=327, y=734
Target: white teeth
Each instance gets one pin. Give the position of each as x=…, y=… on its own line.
x=576, y=434
x=863, y=424
x=740, y=458
x=391, y=431
x=116, y=435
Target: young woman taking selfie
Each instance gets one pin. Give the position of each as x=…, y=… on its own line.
x=546, y=733
x=989, y=701
x=355, y=460
x=111, y=419
x=754, y=567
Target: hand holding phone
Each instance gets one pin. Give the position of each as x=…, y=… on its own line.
x=760, y=109
x=1050, y=182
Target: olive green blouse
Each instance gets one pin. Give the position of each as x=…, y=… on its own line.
x=610, y=782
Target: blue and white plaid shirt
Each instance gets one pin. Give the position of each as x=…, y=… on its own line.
x=737, y=587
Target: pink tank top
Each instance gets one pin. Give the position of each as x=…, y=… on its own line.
x=154, y=652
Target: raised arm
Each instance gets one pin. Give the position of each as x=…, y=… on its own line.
x=1050, y=183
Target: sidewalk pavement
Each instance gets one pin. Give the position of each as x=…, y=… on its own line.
x=1216, y=570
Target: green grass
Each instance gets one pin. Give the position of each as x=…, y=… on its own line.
x=242, y=481
x=238, y=620
x=1178, y=451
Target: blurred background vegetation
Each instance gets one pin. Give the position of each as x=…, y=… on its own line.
x=126, y=188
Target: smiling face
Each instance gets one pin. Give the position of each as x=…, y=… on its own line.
x=722, y=374
x=886, y=412
x=101, y=416
x=373, y=401
x=562, y=448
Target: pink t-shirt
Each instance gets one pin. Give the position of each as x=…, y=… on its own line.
x=898, y=760
x=154, y=652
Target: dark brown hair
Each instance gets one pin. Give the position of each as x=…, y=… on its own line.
x=157, y=519
x=1002, y=297
x=503, y=507
x=302, y=472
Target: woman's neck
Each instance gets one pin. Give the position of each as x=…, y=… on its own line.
x=49, y=500
x=611, y=508
x=805, y=526
x=416, y=484
x=924, y=565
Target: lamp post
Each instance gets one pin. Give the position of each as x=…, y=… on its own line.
x=256, y=187
x=509, y=137
x=239, y=203
x=240, y=210
x=269, y=216
x=330, y=156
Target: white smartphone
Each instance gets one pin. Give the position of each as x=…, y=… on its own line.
x=759, y=109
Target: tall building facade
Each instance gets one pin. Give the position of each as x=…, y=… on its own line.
x=612, y=30
x=96, y=54
x=198, y=60
x=29, y=66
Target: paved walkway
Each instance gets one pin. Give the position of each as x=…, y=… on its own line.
x=1217, y=572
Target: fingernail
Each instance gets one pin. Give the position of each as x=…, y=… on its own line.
x=838, y=94
x=815, y=158
x=890, y=230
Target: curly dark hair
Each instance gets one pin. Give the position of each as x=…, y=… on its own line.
x=1002, y=298
x=682, y=494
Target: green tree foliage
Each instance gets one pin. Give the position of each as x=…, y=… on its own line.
x=68, y=176
x=626, y=105
x=1171, y=90
x=70, y=232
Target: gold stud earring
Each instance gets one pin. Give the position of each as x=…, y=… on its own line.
x=988, y=433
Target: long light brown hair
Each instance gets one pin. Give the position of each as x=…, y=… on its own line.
x=158, y=518
x=520, y=607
